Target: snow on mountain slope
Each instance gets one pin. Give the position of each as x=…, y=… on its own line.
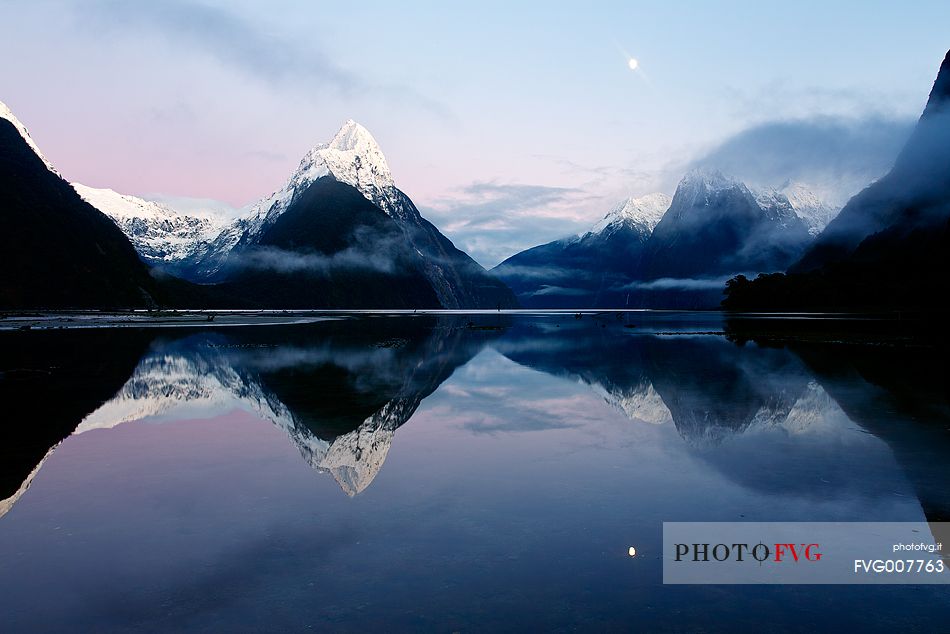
x=174, y=386
x=8, y=503
x=702, y=189
x=777, y=206
x=792, y=198
x=813, y=413
x=716, y=225
x=810, y=207
x=702, y=196
x=6, y=113
x=162, y=234
x=158, y=232
x=800, y=200
x=352, y=157
x=641, y=402
x=643, y=213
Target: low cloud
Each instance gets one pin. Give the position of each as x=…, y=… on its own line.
x=789, y=100
x=283, y=261
x=559, y=290
x=682, y=284
x=368, y=250
x=837, y=156
x=540, y=272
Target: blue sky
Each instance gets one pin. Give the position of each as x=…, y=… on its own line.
x=509, y=124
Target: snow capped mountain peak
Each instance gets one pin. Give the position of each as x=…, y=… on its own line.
x=6, y=113
x=644, y=212
x=709, y=180
x=781, y=203
x=353, y=136
x=809, y=206
x=700, y=186
x=354, y=157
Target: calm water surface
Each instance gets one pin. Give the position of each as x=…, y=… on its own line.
x=450, y=473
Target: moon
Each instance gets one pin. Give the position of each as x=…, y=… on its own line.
x=633, y=63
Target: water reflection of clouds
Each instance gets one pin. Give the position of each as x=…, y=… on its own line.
x=493, y=394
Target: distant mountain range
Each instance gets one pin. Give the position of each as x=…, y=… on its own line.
x=890, y=245
x=338, y=234
x=671, y=253
x=162, y=236
x=588, y=269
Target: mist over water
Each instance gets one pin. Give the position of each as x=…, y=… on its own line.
x=451, y=472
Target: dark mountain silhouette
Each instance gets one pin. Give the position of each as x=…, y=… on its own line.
x=49, y=381
x=890, y=245
x=59, y=251
x=331, y=248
